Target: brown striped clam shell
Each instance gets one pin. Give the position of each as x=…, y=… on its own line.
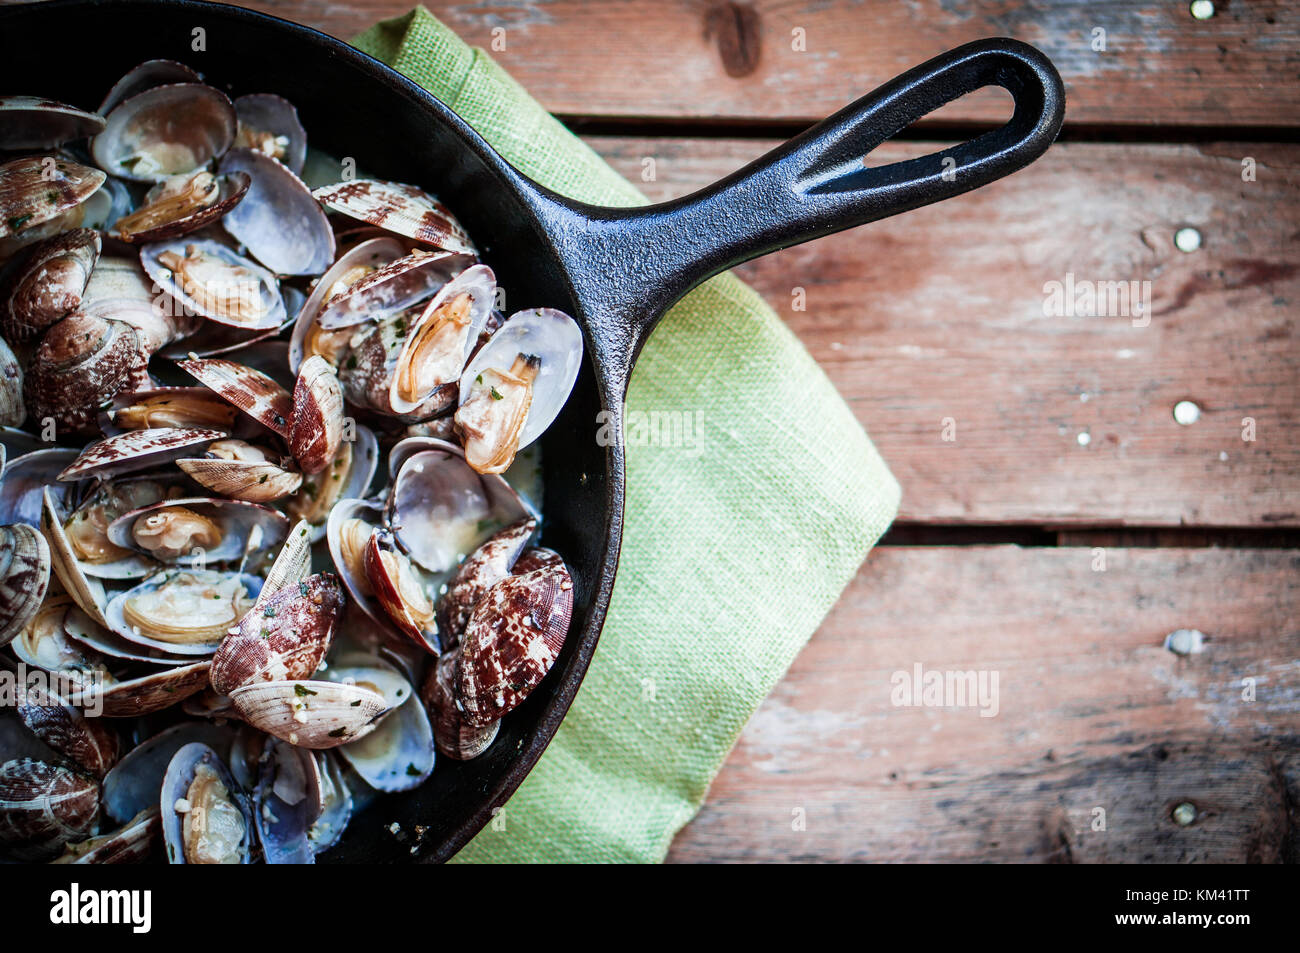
x=24, y=577
x=42, y=807
x=137, y=450
x=284, y=638
x=454, y=737
x=317, y=425
x=30, y=122
x=483, y=568
x=398, y=208
x=82, y=363
x=93, y=745
x=37, y=190
x=45, y=282
x=513, y=636
x=252, y=391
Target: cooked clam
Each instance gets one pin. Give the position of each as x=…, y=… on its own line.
x=512, y=638
x=137, y=450
x=284, y=638
x=439, y=508
x=353, y=265
x=164, y=131
x=391, y=288
x=181, y=204
x=85, y=529
x=348, y=476
x=42, y=807
x=270, y=124
x=250, y=390
x=41, y=196
x=398, y=754
x=310, y=714
x=205, y=817
x=481, y=570
x=516, y=385
x=197, y=531
x=171, y=407
x=317, y=427
x=26, y=478
x=183, y=611
x=212, y=280
x=133, y=784
x=455, y=737
x=288, y=801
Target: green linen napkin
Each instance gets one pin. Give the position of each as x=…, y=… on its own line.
x=743, y=526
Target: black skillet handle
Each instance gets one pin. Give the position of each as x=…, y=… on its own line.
x=629, y=265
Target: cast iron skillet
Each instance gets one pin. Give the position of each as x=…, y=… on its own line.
x=615, y=270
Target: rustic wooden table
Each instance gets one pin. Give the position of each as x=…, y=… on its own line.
x=1058, y=521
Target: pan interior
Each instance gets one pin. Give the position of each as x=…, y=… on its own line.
x=74, y=52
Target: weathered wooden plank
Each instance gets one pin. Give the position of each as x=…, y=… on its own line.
x=932, y=325
x=1094, y=718
x=744, y=61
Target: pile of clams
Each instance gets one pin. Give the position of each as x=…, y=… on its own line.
x=267, y=538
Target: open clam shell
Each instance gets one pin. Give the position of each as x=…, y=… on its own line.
x=252, y=391
x=310, y=714
x=211, y=280
x=85, y=631
x=336, y=803
x=83, y=534
x=284, y=638
x=270, y=124
x=24, y=577
x=398, y=208
x=241, y=471
x=394, y=287
x=546, y=334
x=147, y=75
x=132, y=843
x=353, y=265
x=279, y=222
x=439, y=508
x=182, y=611
x=26, y=478
x=402, y=591
x=30, y=122
x=165, y=130
x=398, y=754
x=199, y=531
x=369, y=373
x=182, y=204
x=45, y=282
x=287, y=802
x=87, y=592
x=42, y=807
x=137, y=450
x=206, y=818
x=44, y=643
x=351, y=524
x=133, y=784
x=292, y=565
x=441, y=338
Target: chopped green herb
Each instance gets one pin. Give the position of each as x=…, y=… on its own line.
x=19, y=222
x=302, y=691
x=339, y=733
x=496, y=395
x=269, y=612
x=412, y=770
